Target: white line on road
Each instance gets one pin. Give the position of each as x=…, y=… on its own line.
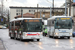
x=38, y=46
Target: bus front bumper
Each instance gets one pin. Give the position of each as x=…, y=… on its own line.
x=31, y=37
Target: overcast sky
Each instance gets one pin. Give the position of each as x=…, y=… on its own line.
x=32, y=3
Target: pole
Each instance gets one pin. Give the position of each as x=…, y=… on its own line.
x=8, y=20
x=37, y=10
x=8, y=16
x=68, y=12
x=53, y=7
x=50, y=12
x=70, y=9
x=65, y=7
x=40, y=13
x=21, y=12
x=2, y=7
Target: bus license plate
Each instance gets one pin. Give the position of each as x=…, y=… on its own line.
x=32, y=37
x=63, y=35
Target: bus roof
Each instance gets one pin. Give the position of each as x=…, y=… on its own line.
x=23, y=19
x=53, y=17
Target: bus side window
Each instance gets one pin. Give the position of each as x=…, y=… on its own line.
x=17, y=24
x=52, y=22
x=12, y=24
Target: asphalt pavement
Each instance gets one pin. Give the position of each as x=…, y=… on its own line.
x=45, y=43
x=2, y=47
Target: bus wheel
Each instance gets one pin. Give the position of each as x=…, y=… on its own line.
x=12, y=37
x=68, y=37
x=21, y=38
x=49, y=36
x=38, y=39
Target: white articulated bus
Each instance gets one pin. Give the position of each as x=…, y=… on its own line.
x=25, y=28
x=60, y=26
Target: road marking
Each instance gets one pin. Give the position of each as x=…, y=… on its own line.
x=38, y=46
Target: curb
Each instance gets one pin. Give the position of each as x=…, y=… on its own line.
x=2, y=45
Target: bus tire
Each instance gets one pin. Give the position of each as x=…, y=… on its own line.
x=68, y=37
x=49, y=36
x=55, y=37
x=21, y=39
x=38, y=39
x=11, y=37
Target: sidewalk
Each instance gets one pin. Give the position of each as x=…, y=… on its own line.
x=1, y=45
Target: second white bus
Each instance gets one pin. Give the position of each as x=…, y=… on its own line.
x=60, y=26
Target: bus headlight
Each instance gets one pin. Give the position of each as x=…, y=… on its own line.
x=56, y=33
x=41, y=33
x=70, y=33
x=25, y=34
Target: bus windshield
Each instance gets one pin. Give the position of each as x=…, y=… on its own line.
x=33, y=27
x=63, y=24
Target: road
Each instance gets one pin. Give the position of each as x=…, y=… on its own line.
x=45, y=43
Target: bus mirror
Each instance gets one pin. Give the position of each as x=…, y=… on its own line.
x=44, y=28
x=57, y=23
x=42, y=23
x=52, y=22
x=21, y=23
x=72, y=21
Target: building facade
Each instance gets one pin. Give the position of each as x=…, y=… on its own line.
x=15, y=11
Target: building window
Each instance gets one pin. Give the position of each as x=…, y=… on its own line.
x=16, y=13
x=29, y=10
x=18, y=10
x=34, y=10
x=19, y=14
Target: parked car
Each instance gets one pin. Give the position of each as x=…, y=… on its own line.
x=73, y=34
x=2, y=27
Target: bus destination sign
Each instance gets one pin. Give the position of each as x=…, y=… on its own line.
x=63, y=18
x=32, y=21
